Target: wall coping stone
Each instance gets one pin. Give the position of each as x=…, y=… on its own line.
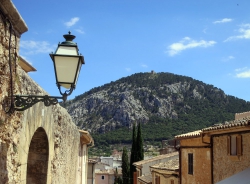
x=15, y=18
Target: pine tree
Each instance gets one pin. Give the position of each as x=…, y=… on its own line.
x=133, y=155
x=125, y=166
x=139, y=143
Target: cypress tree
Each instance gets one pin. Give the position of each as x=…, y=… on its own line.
x=125, y=166
x=139, y=143
x=133, y=155
x=116, y=177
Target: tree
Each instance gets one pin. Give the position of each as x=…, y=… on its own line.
x=125, y=166
x=118, y=179
x=139, y=143
x=133, y=155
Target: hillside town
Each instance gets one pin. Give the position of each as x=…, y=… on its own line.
x=40, y=144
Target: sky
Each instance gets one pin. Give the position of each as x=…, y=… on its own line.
x=208, y=40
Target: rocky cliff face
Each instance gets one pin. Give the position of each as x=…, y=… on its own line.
x=137, y=98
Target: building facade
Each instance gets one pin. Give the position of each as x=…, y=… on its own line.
x=217, y=154
x=195, y=158
x=143, y=172
x=40, y=144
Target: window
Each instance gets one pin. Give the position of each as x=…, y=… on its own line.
x=234, y=145
x=172, y=181
x=190, y=163
x=102, y=177
x=157, y=179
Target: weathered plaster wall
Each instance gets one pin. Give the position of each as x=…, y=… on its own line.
x=164, y=178
x=17, y=129
x=223, y=165
x=201, y=161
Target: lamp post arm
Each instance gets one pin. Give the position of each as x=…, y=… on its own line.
x=23, y=102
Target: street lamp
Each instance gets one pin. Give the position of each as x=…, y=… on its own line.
x=67, y=65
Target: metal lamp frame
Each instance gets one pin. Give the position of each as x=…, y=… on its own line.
x=14, y=103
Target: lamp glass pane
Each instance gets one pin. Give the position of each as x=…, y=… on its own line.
x=66, y=50
x=66, y=70
x=79, y=69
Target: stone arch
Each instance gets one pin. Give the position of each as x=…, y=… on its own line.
x=37, y=163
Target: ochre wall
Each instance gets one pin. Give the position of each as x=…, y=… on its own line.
x=201, y=162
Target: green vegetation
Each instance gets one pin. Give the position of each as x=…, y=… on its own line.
x=194, y=105
x=125, y=166
x=133, y=155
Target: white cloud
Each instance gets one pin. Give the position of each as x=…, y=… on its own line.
x=240, y=69
x=144, y=66
x=72, y=21
x=244, y=33
x=223, y=21
x=187, y=43
x=128, y=69
x=228, y=58
x=242, y=72
x=35, y=47
x=80, y=31
x=245, y=74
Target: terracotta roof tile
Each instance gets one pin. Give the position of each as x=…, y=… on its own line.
x=146, y=179
x=235, y=123
x=169, y=165
x=196, y=133
x=92, y=161
x=155, y=158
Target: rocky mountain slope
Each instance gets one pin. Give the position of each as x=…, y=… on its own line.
x=150, y=98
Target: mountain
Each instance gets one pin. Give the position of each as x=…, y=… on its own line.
x=166, y=104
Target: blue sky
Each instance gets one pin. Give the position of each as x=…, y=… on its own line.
x=208, y=40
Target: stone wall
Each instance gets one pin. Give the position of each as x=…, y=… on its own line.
x=17, y=129
x=225, y=165
x=242, y=115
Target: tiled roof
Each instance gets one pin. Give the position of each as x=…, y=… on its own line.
x=155, y=158
x=92, y=161
x=146, y=179
x=235, y=123
x=108, y=171
x=196, y=133
x=169, y=165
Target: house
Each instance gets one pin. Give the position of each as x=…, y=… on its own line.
x=86, y=141
x=230, y=149
x=107, y=160
x=91, y=171
x=195, y=158
x=166, y=172
x=143, y=172
x=107, y=176
x=217, y=154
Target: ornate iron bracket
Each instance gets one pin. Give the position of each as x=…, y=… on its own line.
x=23, y=102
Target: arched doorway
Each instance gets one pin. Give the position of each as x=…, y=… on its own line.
x=37, y=165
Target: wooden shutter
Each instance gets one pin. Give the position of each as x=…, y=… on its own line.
x=239, y=144
x=135, y=177
x=157, y=180
x=228, y=145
